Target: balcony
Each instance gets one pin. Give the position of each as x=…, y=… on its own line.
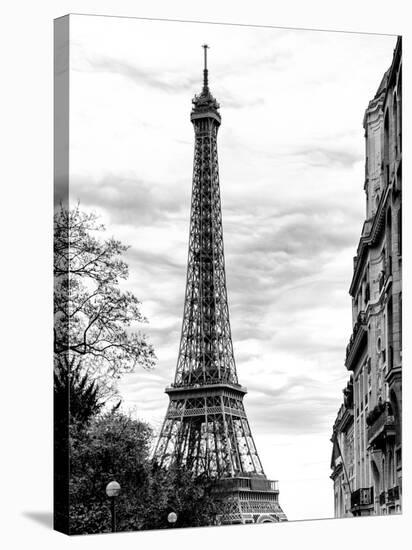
x=357, y=341
x=361, y=499
x=381, y=425
x=393, y=494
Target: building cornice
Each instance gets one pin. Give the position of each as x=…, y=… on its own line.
x=343, y=419
x=397, y=56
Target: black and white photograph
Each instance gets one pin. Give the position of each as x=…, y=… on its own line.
x=227, y=274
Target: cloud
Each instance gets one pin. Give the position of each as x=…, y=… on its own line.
x=166, y=82
x=231, y=100
x=131, y=200
x=301, y=404
x=325, y=157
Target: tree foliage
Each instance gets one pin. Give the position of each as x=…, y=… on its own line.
x=72, y=384
x=114, y=446
x=95, y=319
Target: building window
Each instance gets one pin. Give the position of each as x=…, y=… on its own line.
x=389, y=242
x=386, y=149
x=390, y=357
x=390, y=472
x=390, y=333
x=399, y=459
x=367, y=293
x=399, y=110
x=395, y=123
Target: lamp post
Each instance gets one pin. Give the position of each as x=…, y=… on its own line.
x=112, y=491
x=172, y=518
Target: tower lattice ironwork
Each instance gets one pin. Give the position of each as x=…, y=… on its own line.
x=206, y=428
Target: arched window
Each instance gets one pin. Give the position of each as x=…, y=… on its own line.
x=390, y=470
x=386, y=149
x=376, y=480
x=400, y=319
x=395, y=122
x=390, y=333
x=399, y=110
x=397, y=416
x=389, y=242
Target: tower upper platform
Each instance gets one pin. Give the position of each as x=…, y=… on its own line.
x=204, y=104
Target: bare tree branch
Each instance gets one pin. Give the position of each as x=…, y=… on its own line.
x=92, y=313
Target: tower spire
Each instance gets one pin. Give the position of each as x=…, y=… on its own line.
x=204, y=104
x=205, y=71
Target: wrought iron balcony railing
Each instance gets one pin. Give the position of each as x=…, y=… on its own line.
x=381, y=425
x=393, y=494
x=361, y=498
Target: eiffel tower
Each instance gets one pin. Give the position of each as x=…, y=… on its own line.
x=206, y=427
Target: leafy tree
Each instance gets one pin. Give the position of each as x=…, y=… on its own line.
x=74, y=386
x=95, y=320
x=114, y=446
x=111, y=446
x=192, y=498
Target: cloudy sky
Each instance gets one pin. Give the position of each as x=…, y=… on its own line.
x=291, y=154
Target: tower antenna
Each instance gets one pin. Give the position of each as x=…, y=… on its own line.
x=205, y=71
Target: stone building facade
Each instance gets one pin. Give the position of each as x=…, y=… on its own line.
x=367, y=433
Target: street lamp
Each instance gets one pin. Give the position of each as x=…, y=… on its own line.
x=112, y=491
x=172, y=518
